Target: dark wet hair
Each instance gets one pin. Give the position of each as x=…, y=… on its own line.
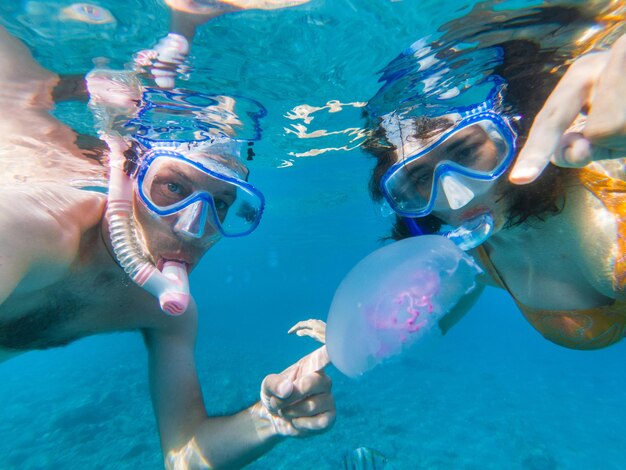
x=531, y=73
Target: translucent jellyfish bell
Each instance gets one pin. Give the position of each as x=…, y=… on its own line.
x=393, y=297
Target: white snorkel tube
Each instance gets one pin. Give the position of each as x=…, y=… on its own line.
x=109, y=92
x=170, y=286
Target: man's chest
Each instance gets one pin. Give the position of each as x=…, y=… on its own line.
x=78, y=305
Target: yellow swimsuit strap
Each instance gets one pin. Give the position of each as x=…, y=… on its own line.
x=610, y=20
x=590, y=328
x=612, y=193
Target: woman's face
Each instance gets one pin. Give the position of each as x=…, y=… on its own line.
x=489, y=201
x=459, y=198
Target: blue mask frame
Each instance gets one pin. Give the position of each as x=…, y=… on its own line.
x=482, y=113
x=198, y=195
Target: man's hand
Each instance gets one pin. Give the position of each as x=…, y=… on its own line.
x=562, y=134
x=190, y=6
x=113, y=88
x=298, y=405
x=312, y=328
x=114, y=96
x=165, y=59
x=298, y=401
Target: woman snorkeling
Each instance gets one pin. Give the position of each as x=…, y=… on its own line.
x=450, y=121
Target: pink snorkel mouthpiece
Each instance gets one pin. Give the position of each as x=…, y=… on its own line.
x=174, y=303
x=170, y=286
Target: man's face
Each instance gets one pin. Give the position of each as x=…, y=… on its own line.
x=201, y=200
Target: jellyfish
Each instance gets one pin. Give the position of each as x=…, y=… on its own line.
x=393, y=298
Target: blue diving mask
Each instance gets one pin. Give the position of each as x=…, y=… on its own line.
x=477, y=150
x=199, y=191
x=447, y=173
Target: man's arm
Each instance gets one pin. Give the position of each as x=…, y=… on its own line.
x=70, y=87
x=191, y=438
x=187, y=15
x=188, y=436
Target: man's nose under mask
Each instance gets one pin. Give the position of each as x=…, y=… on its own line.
x=192, y=222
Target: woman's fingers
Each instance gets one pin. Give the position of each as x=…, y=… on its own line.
x=606, y=123
x=560, y=111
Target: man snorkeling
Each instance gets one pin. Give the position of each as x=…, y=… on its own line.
x=66, y=252
x=445, y=162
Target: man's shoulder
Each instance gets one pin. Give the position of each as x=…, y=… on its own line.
x=52, y=199
x=45, y=222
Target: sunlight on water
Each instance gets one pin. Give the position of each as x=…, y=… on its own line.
x=305, y=128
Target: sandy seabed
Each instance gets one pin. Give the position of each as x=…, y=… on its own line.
x=492, y=395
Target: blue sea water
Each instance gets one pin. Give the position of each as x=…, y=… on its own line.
x=492, y=395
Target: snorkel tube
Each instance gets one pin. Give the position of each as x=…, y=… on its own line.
x=171, y=286
x=109, y=98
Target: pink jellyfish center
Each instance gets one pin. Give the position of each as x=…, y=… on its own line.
x=407, y=309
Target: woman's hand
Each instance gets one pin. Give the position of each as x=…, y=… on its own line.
x=563, y=134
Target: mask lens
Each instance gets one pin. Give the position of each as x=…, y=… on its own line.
x=479, y=150
x=171, y=184
x=238, y=216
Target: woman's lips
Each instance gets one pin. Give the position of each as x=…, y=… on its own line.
x=474, y=212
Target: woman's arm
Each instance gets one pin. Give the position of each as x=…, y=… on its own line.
x=460, y=310
x=583, y=120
